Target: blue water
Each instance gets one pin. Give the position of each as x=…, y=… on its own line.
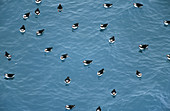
x=39, y=78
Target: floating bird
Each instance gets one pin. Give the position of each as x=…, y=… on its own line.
x=22, y=29
x=75, y=26
x=100, y=73
x=98, y=109
x=59, y=8
x=103, y=26
x=168, y=56
x=37, y=11
x=9, y=76
x=67, y=80
x=138, y=5
x=64, y=56
x=142, y=47
x=40, y=32
x=68, y=107
x=107, y=5
x=25, y=16
x=7, y=55
x=166, y=22
x=112, y=39
x=49, y=49
x=87, y=62
x=37, y=1
x=138, y=74
x=113, y=93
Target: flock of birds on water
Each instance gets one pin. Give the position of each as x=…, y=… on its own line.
x=64, y=56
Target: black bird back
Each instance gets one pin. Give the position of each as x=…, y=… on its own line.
x=23, y=27
x=76, y=24
x=139, y=4
x=107, y=4
x=27, y=14
x=49, y=48
x=98, y=109
x=37, y=10
x=6, y=54
x=10, y=75
x=112, y=38
x=113, y=91
x=64, y=55
x=60, y=7
x=105, y=25
x=41, y=31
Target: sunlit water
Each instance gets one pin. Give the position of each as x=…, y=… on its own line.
x=39, y=78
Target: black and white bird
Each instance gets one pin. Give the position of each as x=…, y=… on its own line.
x=112, y=39
x=37, y=1
x=26, y=15
x=107, y=5
x=67, y=80
x=37, y=11
x=143, y=46
x=138, y=5
x=69, y=107
x=103, y=26
x=113, y=92
x=49, y=49
x=75, y=26
x=64, y=56
x=168, y=56
x=40, y=32
x=9, y=76
x=87, y=62
x=60, y=8
x=22, y=29
x=98, y=109
x=7, y=55
x=100, y=72
x=166, y=22
x=138, y=74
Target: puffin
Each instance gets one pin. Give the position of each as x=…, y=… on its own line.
x=166, y=23
x=107, y=5
x=143, y=46
x=9, y=76
x=59, y=8
x=98, y=109
x=137, y=5
x=22, y=29
x=75, y=26
x=37, y=11
x=64, y=56
x=168, y=56
x=37, y=1
x=68, y=107
x=103, y=26
x=113, y=92
x=49, y=49
x=138, y=74
x=7, y=55
x=26, y=15
x=87, y=62
x=40, y=32
x=67, y=80
x=100, y=72
x=112, y=39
